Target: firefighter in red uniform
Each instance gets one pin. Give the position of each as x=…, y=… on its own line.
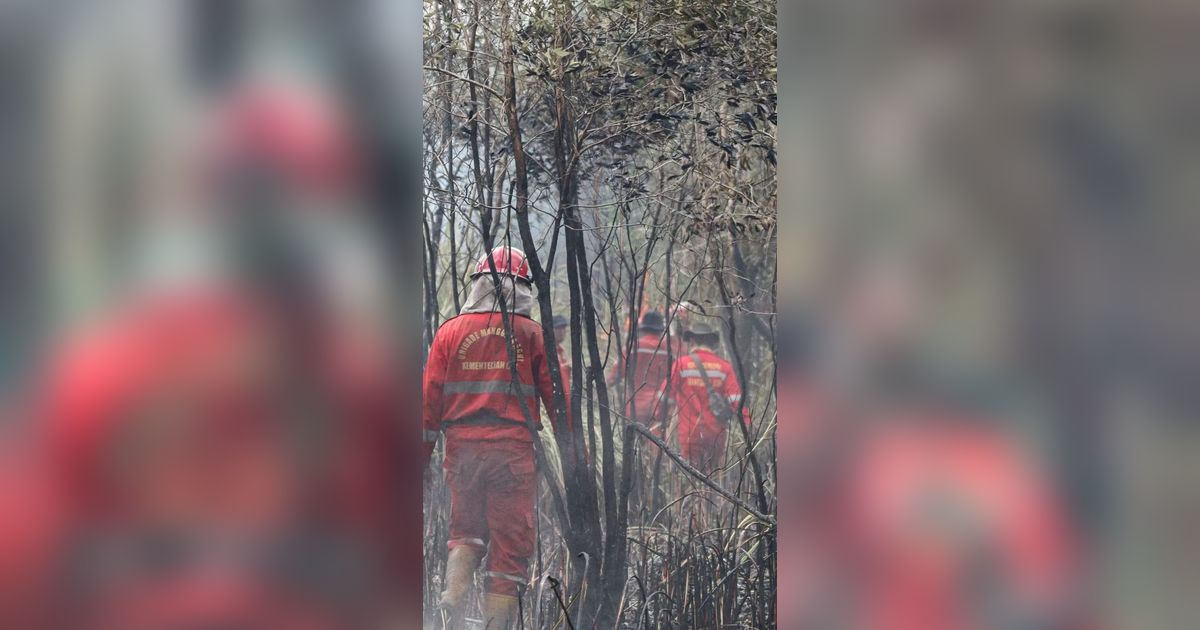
x=173, y=418
x=224, y=422
x=651, y=370
x=705, y=391
x=950, y=524
x=483, y=394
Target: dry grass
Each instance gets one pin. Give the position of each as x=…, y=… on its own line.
x=694, y=561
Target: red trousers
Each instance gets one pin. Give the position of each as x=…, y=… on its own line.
x=491, y=506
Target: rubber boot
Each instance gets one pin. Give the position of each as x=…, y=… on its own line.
x=498, y=611
x=460, y=575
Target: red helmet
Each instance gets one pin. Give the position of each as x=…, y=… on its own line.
x=299, y=133
x=508, y=260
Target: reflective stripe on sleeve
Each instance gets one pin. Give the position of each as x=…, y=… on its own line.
x=505, y=576
x=485, y=420
x=487, y=387
x=711, y=374
x=735, y=397
x=651, y=351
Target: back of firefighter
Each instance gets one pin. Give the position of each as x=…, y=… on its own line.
x=953, y=526
x=702, y=425
x=650, y=371
x=470, y=395
x=213, y=463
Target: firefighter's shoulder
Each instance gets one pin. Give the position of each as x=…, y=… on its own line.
x=527, y=328
x=460, y=319
x=537, y=326
x=447, y=321
x=445, y=326
x=448, y=328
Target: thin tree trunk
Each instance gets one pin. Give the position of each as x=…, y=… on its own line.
x=485, y=213
x=580, y=522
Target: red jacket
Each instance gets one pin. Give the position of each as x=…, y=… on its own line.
x=468, y=389
x=690, y=396
x=930, y=508
x=211, y=360
x=650, y=373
